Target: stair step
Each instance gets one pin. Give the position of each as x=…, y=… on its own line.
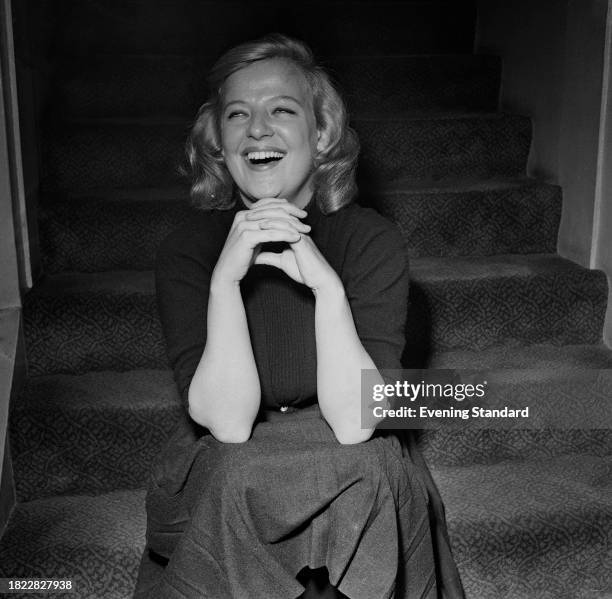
x=545, y=373
x=171, y=85
x=499, y=217
x=100, y=431
x=80, y=155
x=209, y=28
x=105, y=321
x=96, y=541
x=90, y=433
x=475, y=303
x=108, y=321
x=530, y=357
x=92, y=234
x=521, y=530
x=518, y=531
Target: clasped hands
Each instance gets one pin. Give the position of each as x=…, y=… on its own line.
x=274, y=220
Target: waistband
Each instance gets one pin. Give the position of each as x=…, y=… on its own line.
x=291, y=412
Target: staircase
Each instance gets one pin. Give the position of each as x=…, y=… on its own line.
x=529, y=512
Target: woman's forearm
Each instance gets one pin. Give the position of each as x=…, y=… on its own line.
x=224, y=394
x=340, y=359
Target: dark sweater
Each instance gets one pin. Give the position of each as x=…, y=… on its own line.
x=364, y=249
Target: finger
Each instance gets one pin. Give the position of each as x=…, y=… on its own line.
x=268, y=211
x=304, y=245
x=277, y=223
x=241, y=226
x=276, y=215
x=282, y=206
x=268, y=201
x=269, y=259
x=257, y=236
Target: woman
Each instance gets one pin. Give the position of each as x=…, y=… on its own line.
x=272, y=302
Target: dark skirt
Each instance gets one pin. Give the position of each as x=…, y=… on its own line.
x=240, y=521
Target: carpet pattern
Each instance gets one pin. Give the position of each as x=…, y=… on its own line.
x=91, y=234
x=529, y=511
x=516, y=219
x=95, y=540
x=80, y=155
x=557, y=520
x=90, y=433
x=108, y=321
x=100, y=431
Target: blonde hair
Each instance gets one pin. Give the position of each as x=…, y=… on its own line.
x=334, y=169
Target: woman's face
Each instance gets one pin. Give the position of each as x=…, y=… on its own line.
x=268, y=132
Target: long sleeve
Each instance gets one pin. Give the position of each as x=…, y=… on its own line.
x=375, y=275
x=184, y=266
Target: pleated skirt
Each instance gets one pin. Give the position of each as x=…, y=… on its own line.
x=240, y=521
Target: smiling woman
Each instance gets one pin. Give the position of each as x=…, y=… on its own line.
x=268, y=131
x=270, y=475
x=297, y=90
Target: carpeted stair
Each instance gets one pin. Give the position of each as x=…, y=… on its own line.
x=529, y=511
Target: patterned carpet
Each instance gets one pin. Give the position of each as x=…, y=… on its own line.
x=529, y=511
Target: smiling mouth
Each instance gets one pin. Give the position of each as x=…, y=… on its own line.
x=267, y=157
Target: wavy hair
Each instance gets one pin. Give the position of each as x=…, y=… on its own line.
x=334, y=166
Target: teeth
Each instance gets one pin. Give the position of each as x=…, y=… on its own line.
x=263, y=155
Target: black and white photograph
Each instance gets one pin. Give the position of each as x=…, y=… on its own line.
x=306, y=300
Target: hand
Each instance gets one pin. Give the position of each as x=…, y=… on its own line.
x=304, y=263
x=270, y=219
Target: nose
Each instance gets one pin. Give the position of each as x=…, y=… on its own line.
x=259, y=126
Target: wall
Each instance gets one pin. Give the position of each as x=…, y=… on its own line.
x=553, y=54
x=602, y=239
x=14, y=264
x=31, y=32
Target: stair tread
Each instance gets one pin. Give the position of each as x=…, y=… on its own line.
x=402, y=185
x=170, y=193
x=424, y=269
x=465, y=268
x=530, y=486
x=128, y=391
x=111, y=282
x=180, y=193
x=537, y=356
x=148, y=385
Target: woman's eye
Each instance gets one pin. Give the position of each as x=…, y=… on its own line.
x=284, y=110
x=235, y=113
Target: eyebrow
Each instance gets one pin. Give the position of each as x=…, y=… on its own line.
x=290, y=98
